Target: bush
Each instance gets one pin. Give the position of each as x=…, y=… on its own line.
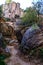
x=3, y=56
x=30, y=17
x=7, y=19
x=2, y=62
x=41, y=53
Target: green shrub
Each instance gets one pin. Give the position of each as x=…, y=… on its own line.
x=2, y=62
x=7, y=19
x=41, y=53
x=2, y=56
x=38, y=52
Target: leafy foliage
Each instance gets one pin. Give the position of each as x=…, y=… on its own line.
x=0, y=11
x=2, y=47
x=2, y=56
x=41, y=53
x=30, y=17
x=7, y=19
x=2, y=62
x=38, y=6
x=8, y=1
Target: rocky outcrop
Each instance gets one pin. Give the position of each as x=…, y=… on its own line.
x=32, y=39
x=6, y=29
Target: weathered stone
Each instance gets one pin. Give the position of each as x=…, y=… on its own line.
x=32, y=39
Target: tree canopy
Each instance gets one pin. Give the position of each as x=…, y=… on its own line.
x=38, y=5
x=30, y=17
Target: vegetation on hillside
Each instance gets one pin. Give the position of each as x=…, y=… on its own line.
x=30, y=17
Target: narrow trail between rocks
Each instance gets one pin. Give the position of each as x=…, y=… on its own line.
x=15, y=59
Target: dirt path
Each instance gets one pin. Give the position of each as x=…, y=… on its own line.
x=15, y=59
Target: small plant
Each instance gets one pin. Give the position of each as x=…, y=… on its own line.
x=2, y=62
x=41, y=53
x=7, y=19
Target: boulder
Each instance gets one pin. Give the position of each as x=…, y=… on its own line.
x=32, y=39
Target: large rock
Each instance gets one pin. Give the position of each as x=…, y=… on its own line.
x=6, y=29
x=32, y=38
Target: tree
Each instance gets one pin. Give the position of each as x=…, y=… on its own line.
x=30, y=17
x=8, y=1
x=38, y=5
x=0, y=11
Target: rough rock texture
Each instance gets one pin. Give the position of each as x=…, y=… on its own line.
x=32, y=39
x=6, y=29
